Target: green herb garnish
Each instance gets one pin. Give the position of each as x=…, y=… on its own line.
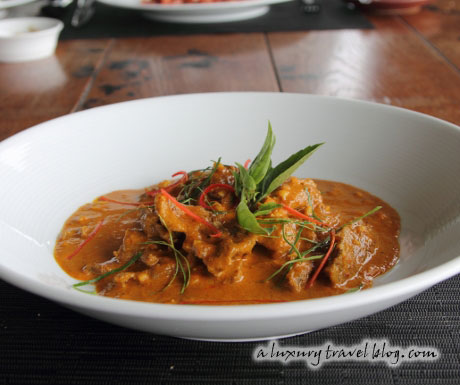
x=186, y=272
x=301, y=256
x=310, y=203
x=374, y=210
x=261, y=179
x=195, y=185
x=266, y=209
x=102, y=276
x=292, y=262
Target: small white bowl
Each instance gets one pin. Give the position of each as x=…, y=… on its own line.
x=28, y=38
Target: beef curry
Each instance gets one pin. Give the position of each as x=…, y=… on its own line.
x=224, y=235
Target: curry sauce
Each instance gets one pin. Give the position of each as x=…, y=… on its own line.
x=314, y=242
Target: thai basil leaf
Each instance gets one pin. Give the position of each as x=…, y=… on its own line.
x=249, y=185
x=278, y=175
x=261, y=163
x=266, y=208
x=247, y=219
x=238, y=186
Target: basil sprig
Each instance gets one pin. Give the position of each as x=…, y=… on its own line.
x=262, y=162
x=266, y=208
x=275, y=177
x=261, y=179
x=247, y=219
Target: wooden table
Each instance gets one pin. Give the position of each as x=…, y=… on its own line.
x=412, y=62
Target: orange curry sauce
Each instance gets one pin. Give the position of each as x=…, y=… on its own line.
x=363, y=250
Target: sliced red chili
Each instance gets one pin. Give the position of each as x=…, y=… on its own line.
x=85, y=242
x=190, y=213
x=126, y=203
x=298, y=214
x=182, y=180
x=246, y=164
x=323, y=261
x=211, y=187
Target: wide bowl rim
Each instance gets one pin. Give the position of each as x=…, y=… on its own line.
x=400, y=288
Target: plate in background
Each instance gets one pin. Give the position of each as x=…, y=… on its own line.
x=193, y=13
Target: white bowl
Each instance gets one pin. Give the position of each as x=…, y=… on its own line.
x=28, y=38
x=408, y=159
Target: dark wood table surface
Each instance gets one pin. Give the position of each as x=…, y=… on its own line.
x=411, y=62
x=406, y=61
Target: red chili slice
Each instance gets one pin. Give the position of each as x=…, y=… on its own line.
x=323, y=261
x=210, y=188
x=246, y=164
x=303, y=216
x=182, y=180
x=85, y=242
x=190, y=213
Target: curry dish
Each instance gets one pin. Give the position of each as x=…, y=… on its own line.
x=225, y=235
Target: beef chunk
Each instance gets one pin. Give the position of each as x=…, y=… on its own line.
x=302, y=195
x=127, y=250
x=156, y=276
x=224, y=259
x=298, y=276
x=151, y=224
x=276, y=243
x=222, y=256
x=354, y=249
x=130, y=246
x=177, y=221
